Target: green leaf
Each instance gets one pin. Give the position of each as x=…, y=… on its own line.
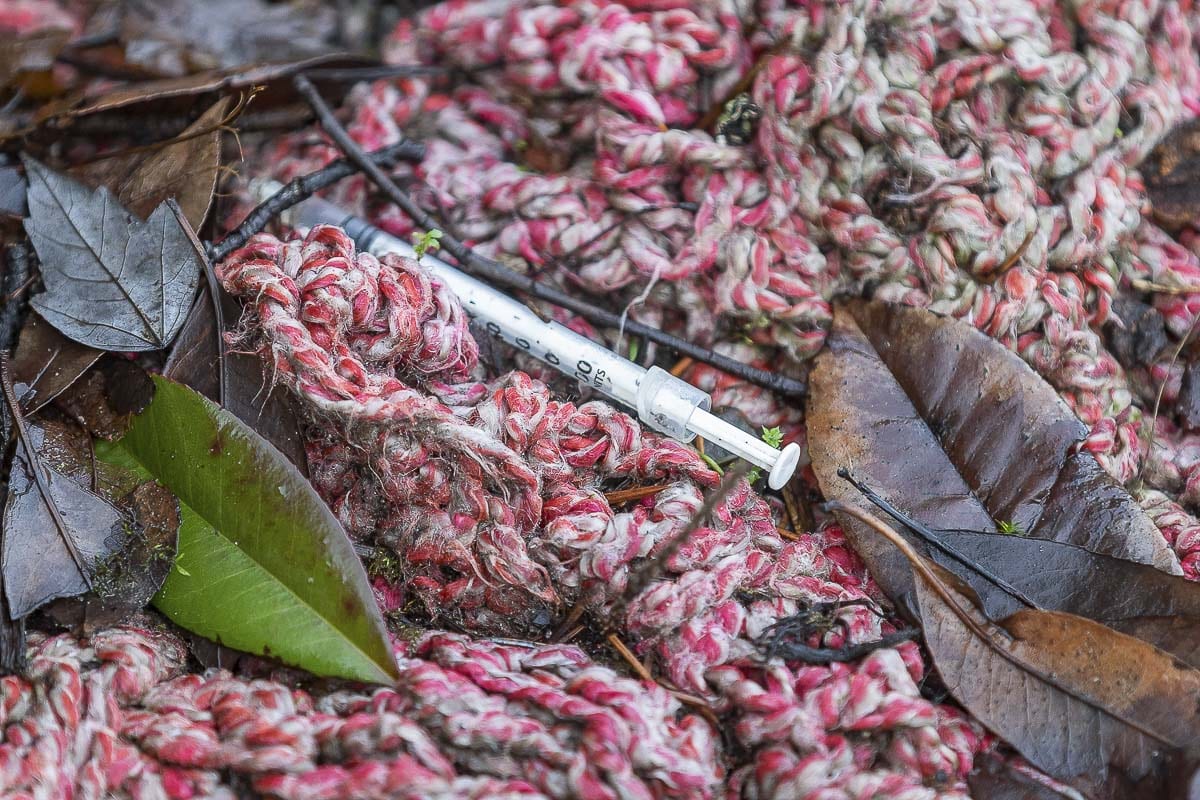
x=263, y=565
x=773, y=436
x=426, y=242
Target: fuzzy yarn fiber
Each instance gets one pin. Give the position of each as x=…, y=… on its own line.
x=976, y=158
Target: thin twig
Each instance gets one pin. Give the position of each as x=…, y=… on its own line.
x=918, y=564
x=355, y=74
x=304, y=187
x=639, y=668
x=1162, y=387
x=796, y=506
x=569, y=627
x=12, y=631
x=1011, y=261
x=17, y=276
x=798, y=651
x=629, y=495
x=641, y=577
x=214, y=296
x=499, y=275
x=682, y=366
x=615, y=642
x=931, y=538
x=1142, y=285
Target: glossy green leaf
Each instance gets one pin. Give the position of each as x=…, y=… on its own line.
x=263, y=565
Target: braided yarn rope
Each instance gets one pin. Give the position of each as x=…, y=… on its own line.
x=977, y=158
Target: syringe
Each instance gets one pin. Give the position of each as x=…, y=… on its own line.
x=662, y=401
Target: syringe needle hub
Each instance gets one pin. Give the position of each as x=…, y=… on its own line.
x=680, y=410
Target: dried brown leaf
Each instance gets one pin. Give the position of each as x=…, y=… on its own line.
x=1071, y=695
x=1082, y=702
x=251, y=395
x=179, y=95
x=112, y=281
x=29, y=53
x=1151, y=605
x=55, y=531
x=106, y=398
x=48, y=362
x=184, y=170
x=140, y=558
x=178, y=37
x=1172, y=174
x=958, y=432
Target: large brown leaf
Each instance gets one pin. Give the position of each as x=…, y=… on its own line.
x=1071, y=695
x=1080, y=701
x=29, y=53
x=178, y=37
x=180, y=95
x=47, y=363
x=112, y=281
x=958, y=432
x=1137, y=599
x=184, y=170
x=55, y=531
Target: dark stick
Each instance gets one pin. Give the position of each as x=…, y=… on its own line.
x=931, y=538
x=303, y=188
x=641, y=577
x=499, y=275
x=353, y=74
x=798, y=651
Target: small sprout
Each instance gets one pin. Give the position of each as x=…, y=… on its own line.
x=427, y=242
x=712, y=464
x=1009, y=527
x=635, y=347
x=773, y=436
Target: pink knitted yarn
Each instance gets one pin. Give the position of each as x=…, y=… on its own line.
x=114, y=716
x=977, y=158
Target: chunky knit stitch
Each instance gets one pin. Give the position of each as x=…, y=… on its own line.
x=976, y=158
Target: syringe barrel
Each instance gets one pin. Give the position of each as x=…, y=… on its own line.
x=662, y=401
x=502, y=317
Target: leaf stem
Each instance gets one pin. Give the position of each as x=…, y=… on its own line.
x=304, y=187
x=914, y=558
